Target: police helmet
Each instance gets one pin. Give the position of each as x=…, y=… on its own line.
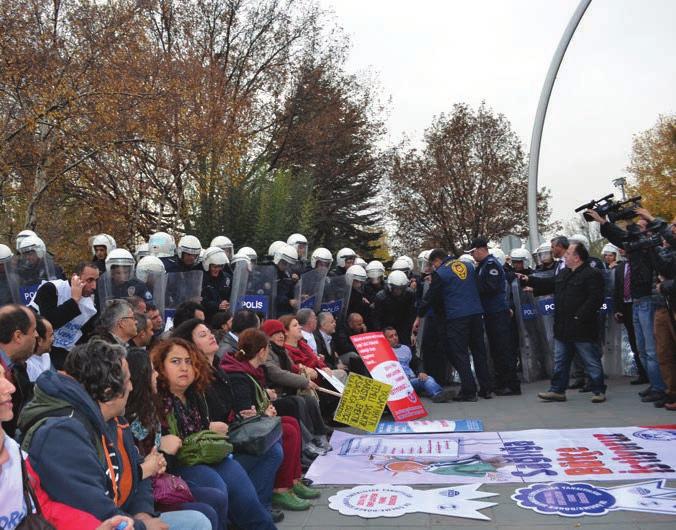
x=161, y=245
x=120, y=257
x=397, y=279
x=102, y=240
x=375, y=269
x=188, y=245
x=148, y=265
x=355, y=272
x=6, y=253
x=32, y=244
x=286, y=253
x=344, y=254
x=321, y=255
x=23, y=234
x=214, y=256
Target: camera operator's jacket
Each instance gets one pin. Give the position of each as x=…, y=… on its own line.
x=578, y=296
x=640, y=262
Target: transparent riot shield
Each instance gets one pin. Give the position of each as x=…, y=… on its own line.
x=181, y=287
x=310, y=289
x=156, y=290
x=420, y=337
x=615, y=360
x=120, y=283
x=254, y=288
x=25, y=273
x=533, y=343
x=544, y=306
x=334, y=297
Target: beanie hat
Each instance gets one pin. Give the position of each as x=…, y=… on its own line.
x=270, y=327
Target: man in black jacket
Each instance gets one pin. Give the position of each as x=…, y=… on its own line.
x=578, y=296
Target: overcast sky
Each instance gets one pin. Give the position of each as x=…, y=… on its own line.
x=618, y=75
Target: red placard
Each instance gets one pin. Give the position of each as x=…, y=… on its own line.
x=383, y=365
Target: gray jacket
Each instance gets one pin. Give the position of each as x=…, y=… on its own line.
x=280, y=379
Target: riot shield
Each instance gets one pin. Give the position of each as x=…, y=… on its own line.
x=254, y=288
x=181, y=287
x=25, y=273
x=334, y=297
x=119, y=283
x=156, y=290
x=544, y=306
x=615, y=360
x=533, y=343
x=310, y=289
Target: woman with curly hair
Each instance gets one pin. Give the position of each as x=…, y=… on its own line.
x=183, y=375
x=155, y=448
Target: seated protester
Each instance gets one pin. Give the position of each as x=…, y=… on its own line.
x=117, y=323
x=242, y=319
x=17, y=339
x=69, y=306
x=308, y=325
x=282, y=375
x=216, y=282
x=301, y=354
x=221, y=323
x=183, y=376
x=246, y=374
x=41, y=361
x=13, y=507
x=86, y=458
x=145, y=426
x=186, y=311
x=220, y=407
x=421, y=382
x=144, y=327
x=353, y=325
x=326, y=328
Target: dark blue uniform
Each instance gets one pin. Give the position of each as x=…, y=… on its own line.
x=214, y=291
x=491, y=280
x=454, y=293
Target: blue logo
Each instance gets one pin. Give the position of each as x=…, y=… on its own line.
x=28, y=292
x=449, y=493
x=546, y=306
x=308, y=302
x=656, y=435
x=334, y=307
x=562, y=498
x=607, y=306
x=258, y=303
x=528, y=311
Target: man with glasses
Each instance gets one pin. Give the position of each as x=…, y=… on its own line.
x=118, y=323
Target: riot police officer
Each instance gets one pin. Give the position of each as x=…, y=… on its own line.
x=216, y=283
x=394, y=307
x=101, y=245
x=187, y=254
x=492, y=283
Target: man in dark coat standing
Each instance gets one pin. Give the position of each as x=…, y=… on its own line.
x=578, y=296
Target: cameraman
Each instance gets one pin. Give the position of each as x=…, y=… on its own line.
x=657, y=359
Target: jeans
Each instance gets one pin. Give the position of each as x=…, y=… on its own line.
x=428, y=386
x=262, y=470
x=211, y=502
x=644, y=316
x=186, y=520
x=590, y=354
x=244, y=507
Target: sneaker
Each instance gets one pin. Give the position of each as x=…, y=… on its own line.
x=305, y=492
x=644, y=393
x=322, y=443
x=598, y=398
x=466, y=397
x=289, y=501
x=277, y=515
x=444, y=396
x=313, y=451
x=670, y=406
x=552, y=396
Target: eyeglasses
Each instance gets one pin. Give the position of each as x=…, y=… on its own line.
x=132, y=317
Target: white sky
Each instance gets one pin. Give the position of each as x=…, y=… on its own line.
x=618, y=75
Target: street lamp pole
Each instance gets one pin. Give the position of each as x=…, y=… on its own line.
x=536, y=139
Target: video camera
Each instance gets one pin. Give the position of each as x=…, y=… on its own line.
x=615, y=210
x=640, y=240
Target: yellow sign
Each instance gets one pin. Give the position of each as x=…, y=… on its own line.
x=459, y=268
x=363, y=402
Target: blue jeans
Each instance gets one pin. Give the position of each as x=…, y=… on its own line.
x=186, y=520
x=590, y=354
x=211, y=502
x=244, y=507
x=643, y=315
x=428, y=386
x=262, y=470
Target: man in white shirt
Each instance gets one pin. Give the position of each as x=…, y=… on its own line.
x=308, y=323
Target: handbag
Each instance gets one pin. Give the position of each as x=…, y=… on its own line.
x=255, y=436
x=32, y=521
x=203, y=447
x=170, y=490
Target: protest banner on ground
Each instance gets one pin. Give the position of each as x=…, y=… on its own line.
x=383, y=366
x=429, y=426
x=604, y=453
x=363, y=402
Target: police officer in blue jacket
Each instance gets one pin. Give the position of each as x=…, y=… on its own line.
x=491, y=281
x=454, y=293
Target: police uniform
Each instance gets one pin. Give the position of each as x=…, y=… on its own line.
x=175, y=264
x=214, y=291
x=454, y=293
x=491, y=282
x=395, y=311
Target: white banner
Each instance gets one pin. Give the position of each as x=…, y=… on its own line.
x=538, y=455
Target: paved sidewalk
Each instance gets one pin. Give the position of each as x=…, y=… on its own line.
x=623, y=408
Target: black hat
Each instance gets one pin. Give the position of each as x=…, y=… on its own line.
x=477, y=242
